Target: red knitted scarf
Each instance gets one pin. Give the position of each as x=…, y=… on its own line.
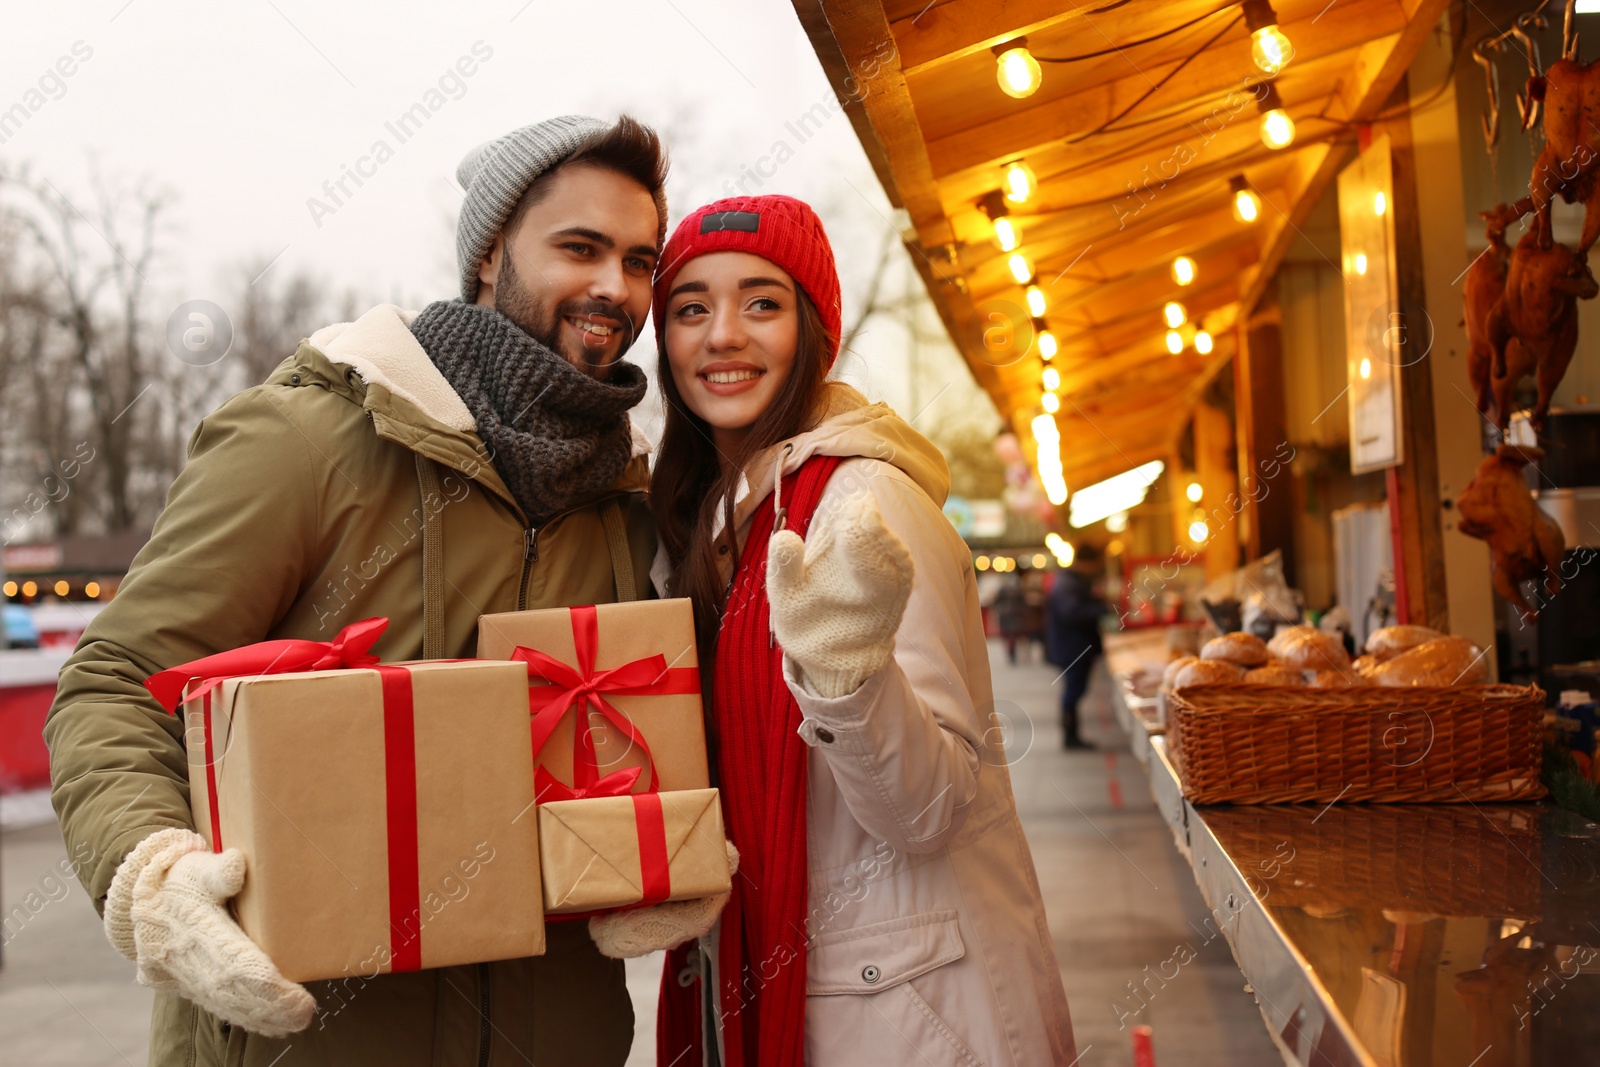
x=762, y=767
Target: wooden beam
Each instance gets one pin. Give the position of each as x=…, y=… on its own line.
x=945, y=32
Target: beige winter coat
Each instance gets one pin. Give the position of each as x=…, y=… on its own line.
x=928, y=942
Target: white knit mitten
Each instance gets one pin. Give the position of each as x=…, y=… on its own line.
x=837, y=597
x=625, y=935
x=167, y=911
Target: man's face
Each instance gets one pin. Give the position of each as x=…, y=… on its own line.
x=576, y=273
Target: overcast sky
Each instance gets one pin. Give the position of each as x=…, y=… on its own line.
x=251, y=110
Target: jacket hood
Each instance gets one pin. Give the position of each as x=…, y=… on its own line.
x=851, y=427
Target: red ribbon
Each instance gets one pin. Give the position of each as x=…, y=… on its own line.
x=617, y=784
x=349, y=648
x=654, y=869
x=577, y=689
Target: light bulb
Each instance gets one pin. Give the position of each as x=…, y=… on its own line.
x=1183, y=270
x=1198, y=531
x=1051, y=379
x=1277, y=129
x=1380, y=203
x=92, y=590
x=1361, y=263
x=1005, y=234
x=1270, y=49
x=1047, y=345
x=61, y=588
x=1021, y=269
x=1019, y=182
x=1203, y=343
x=1035, y=301
x=1050, y=403
x=1016, y=69
x=1174, y=314
x=1174, y=342
x=1193, y=492
x=1246, y=205
x=1365, y=370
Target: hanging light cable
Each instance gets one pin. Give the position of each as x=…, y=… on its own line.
x=1269, y=47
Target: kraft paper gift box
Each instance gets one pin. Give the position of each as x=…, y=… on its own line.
x=611, y=852
x=638, y=664
x=385, y=813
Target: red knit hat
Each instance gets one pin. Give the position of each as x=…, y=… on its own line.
x=777, y=228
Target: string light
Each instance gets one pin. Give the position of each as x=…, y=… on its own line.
x=1047, y=345
x=1277, y=128
x=1198, y=532
x=1021, y=269
x=1050, y=402
x=1174, y=342
x=1036, y=303
x=1005, y=234
x=1016, y=69
x=1174, y=314
x=1193, y=492
x=1183, y=270
x=92, y=590
x=1361, y=263
x=1246, y=204
x=1380, y=203
x=1051, y=379
x=1047, y=439
x=1203, y=343
x=1019, y=182
x=62, y=588
x=1269, y=47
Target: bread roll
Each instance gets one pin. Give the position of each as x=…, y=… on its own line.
x=1171, y=673
x=1314, y=650
x=1247, y=650
x=1336, y=679
x=1274, y=674
x=1443, y=661
x=1390, y=641
x=1364, y=665
x=1285, y=637
x=1209, y=672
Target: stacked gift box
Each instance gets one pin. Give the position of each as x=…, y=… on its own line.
x=413, y=815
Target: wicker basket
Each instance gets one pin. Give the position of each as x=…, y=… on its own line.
x=1277, y=744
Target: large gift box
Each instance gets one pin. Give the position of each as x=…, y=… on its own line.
x=614, y=693
x=610, y=852
x=385, y=812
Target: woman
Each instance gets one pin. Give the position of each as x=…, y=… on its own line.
x=886, y=908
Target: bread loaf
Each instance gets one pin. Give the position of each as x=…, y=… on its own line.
x=1285, y=637
x=1209, y=672
x=1313, y=650
x=1336, y=679
x=1274, y=674
x=1171, y=673
x=1247, y=650
x=1389, y=641
x=1442, y=661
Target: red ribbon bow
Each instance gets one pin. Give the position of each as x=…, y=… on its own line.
x=577, y=689
x=349, y=648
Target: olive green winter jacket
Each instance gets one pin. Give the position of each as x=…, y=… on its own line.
x=304, y=506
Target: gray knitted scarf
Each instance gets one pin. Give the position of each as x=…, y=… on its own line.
x=556, y=434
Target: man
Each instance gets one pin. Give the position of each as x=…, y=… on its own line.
x=1072, y=635
x=476, y=457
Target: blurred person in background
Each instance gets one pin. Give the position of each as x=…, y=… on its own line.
x=1072, y=634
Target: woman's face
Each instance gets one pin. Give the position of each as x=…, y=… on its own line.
x=732, y=326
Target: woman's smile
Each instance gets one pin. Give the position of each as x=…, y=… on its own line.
x=728, y=378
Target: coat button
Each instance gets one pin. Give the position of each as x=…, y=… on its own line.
x=826, y=737
x=294, y=379
x=870, y=974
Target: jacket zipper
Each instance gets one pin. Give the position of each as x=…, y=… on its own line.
x=530, y=544
x=483, y=1013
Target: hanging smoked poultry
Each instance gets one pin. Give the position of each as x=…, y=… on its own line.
x=1485, y=283
x=1533, y=329
x=1525, y=544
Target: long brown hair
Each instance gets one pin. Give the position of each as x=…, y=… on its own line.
x=691, y=480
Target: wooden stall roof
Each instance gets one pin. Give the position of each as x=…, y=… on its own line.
x=1134, y=147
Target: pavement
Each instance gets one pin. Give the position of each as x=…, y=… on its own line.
x=1120, y=899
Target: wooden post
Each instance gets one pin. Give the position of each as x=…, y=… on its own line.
x=1267, y=521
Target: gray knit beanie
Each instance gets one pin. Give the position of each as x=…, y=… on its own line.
x=496, y=174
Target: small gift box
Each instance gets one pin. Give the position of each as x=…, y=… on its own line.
x=645, y=848
x=615, y=689
x=385, y=812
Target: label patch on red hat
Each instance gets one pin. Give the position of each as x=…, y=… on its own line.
x=747, y=221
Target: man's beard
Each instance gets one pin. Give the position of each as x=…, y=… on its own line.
x=543, y=323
